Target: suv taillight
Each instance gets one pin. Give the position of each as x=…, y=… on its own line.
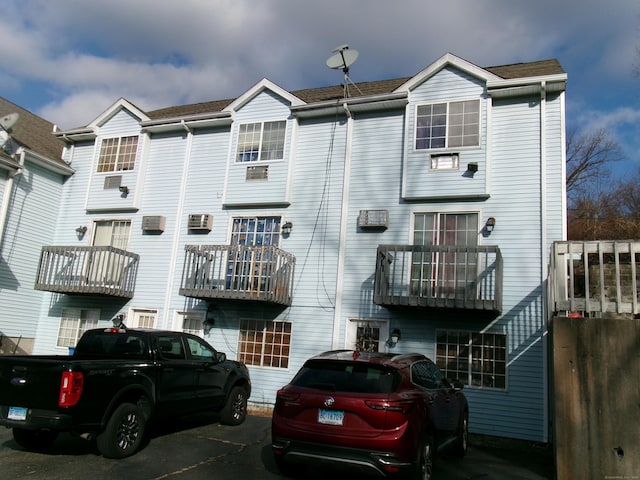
x=400, y=406
x=70, y=388
x=283, y=396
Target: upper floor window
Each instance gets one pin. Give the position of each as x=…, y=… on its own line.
x=117, y=154
x=261, y=141
x=448, y=125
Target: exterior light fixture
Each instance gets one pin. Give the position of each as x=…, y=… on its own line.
x=394, y=338
x=286, y=228
x=124, y=189
x=490, y=225
x=80, y=231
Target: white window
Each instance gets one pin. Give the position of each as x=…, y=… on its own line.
x=118, y=154
x=476, y=359
x=261, y=141
x=448, y=125
x=144, y=319
x=192, y=322
x=74, y=322
x=265, y=344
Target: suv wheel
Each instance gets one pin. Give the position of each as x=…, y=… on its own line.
x=460, y=445
x=424, y=467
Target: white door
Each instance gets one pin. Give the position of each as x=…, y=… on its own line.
x=367, y=335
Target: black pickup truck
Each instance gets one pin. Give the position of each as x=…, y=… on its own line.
x=114, y=384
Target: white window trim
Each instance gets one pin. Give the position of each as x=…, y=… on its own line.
x=181, y=315
x=259, y=161
x=446, y=149
x=116, y=171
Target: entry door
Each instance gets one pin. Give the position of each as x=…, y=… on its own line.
x=367, y=335
x=104, y=268
x=445, y=274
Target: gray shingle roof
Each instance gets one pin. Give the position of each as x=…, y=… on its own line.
x=33, y=132
x=381, y=87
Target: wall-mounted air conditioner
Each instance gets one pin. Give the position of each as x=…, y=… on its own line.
x=153, y=223
x=200, y=221
x=259, y=172
x=373, y=219
x=112, y=182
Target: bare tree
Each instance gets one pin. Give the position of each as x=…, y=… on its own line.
x=588, y=158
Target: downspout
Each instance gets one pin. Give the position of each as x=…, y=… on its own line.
x=167, y=321
x=337, y=312
x=544, y=252
x=6, y=198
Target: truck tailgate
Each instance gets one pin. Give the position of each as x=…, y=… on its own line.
x=32, y=381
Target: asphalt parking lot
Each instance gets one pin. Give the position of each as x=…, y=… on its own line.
x=200, y=448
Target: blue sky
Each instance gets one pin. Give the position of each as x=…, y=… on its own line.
x=69, y=60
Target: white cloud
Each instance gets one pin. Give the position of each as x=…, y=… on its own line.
x=82, y=54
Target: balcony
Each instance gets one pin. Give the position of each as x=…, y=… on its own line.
x=238, y=272
x=594, y=278
x=450, y=277
x=87, y=271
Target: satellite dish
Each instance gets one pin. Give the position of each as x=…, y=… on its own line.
x=9, y=121
x=343, y=59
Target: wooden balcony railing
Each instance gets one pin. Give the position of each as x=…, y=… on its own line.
x=238, y=272
x=456, y=277
x=595, y=277
x=87, y=270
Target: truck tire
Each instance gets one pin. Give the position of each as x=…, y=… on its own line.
x=124, y=432
x=235, y=410
x=34, y=439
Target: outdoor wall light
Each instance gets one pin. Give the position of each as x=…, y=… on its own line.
x=80, y=231
x=394, y=338
x=124, y=189
x=490, y=225
x=286, y=228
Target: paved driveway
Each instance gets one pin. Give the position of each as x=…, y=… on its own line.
x=202, y=449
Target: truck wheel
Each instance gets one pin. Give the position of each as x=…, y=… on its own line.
x=124, y=432
x=34, y=439
x=235, y=410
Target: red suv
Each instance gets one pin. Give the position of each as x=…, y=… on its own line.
x=373, y=413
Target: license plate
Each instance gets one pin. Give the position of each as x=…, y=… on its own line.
x=330, y=417
x=17, y=413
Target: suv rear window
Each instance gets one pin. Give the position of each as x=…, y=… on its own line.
x=347, y=377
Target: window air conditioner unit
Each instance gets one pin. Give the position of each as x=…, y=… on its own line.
x=112, y=182
x=200, y=221
x=373, y=219
x=153, y=223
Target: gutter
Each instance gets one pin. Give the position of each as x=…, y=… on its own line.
x=351, y=105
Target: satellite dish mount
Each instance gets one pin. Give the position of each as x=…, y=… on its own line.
x=342, y=59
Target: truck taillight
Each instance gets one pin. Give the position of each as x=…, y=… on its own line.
x=70, y=388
